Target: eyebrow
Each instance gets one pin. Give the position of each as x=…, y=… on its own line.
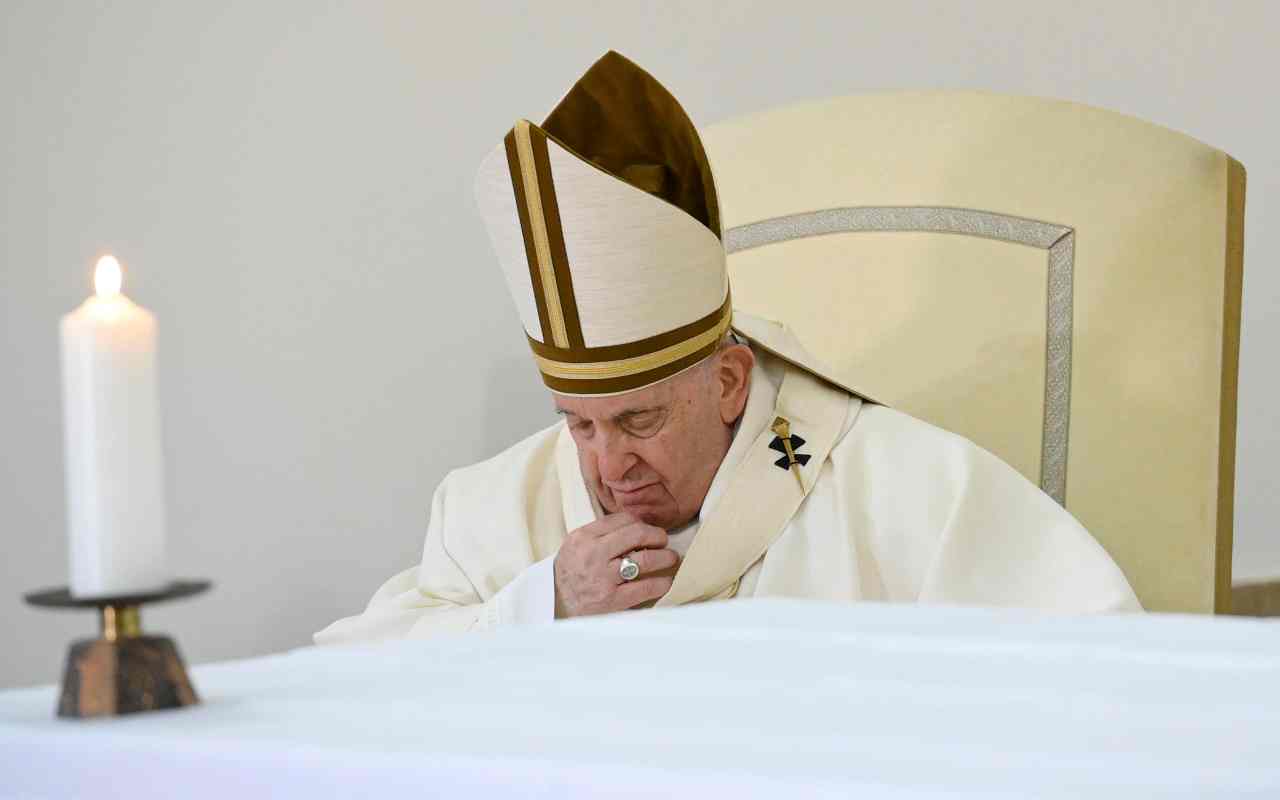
x=628, y=412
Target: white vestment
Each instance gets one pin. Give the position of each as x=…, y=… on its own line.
x=900, y=511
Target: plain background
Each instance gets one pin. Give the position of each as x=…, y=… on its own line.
x=288, y=185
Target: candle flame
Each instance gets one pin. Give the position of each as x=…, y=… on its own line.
x=107, y=277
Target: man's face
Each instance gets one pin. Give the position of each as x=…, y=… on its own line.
x=653, y=451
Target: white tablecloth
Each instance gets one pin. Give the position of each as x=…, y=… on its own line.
x=742, y=699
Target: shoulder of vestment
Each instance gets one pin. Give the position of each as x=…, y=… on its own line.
x=892, y=444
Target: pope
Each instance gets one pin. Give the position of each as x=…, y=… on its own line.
x=703, y=453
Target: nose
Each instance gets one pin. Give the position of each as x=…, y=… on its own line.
x=614, y=457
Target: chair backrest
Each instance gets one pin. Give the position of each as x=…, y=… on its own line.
x=1058, y=283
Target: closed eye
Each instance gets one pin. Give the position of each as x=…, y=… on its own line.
x=643, y=423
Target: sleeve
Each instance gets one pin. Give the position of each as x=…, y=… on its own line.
x=437, y=597
x=1006, y=543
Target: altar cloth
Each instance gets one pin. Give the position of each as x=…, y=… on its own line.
x=752, y=698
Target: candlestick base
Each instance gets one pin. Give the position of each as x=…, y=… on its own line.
x=122, y=671
x=136, y=673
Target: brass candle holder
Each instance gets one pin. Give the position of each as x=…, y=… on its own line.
x=123, y=671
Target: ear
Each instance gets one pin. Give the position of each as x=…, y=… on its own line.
x=733, y=374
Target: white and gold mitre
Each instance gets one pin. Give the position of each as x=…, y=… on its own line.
x=607, y=226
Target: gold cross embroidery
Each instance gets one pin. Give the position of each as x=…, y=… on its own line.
x=783, y=429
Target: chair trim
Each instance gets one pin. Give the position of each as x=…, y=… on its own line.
x=1057, y=240
x=1232, y=296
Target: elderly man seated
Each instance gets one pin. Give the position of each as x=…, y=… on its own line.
x=703, y=454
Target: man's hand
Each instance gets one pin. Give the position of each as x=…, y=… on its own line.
x=586, y=568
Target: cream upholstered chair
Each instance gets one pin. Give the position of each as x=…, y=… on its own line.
x=1058, y=283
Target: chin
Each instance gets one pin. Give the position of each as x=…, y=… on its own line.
x=651, y=515
x=666, y=518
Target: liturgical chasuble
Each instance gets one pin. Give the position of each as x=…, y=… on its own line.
x=897, y=510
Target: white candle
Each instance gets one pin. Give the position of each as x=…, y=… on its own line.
x=111, y=415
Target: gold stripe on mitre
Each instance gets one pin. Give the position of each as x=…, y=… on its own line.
x=542, y=245
x=624, y=368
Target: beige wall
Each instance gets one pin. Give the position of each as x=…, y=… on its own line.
x=288, y=185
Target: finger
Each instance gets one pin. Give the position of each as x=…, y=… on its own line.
x=637, y=536
x=641, y=590
x=612, y=522
x=648, y=561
